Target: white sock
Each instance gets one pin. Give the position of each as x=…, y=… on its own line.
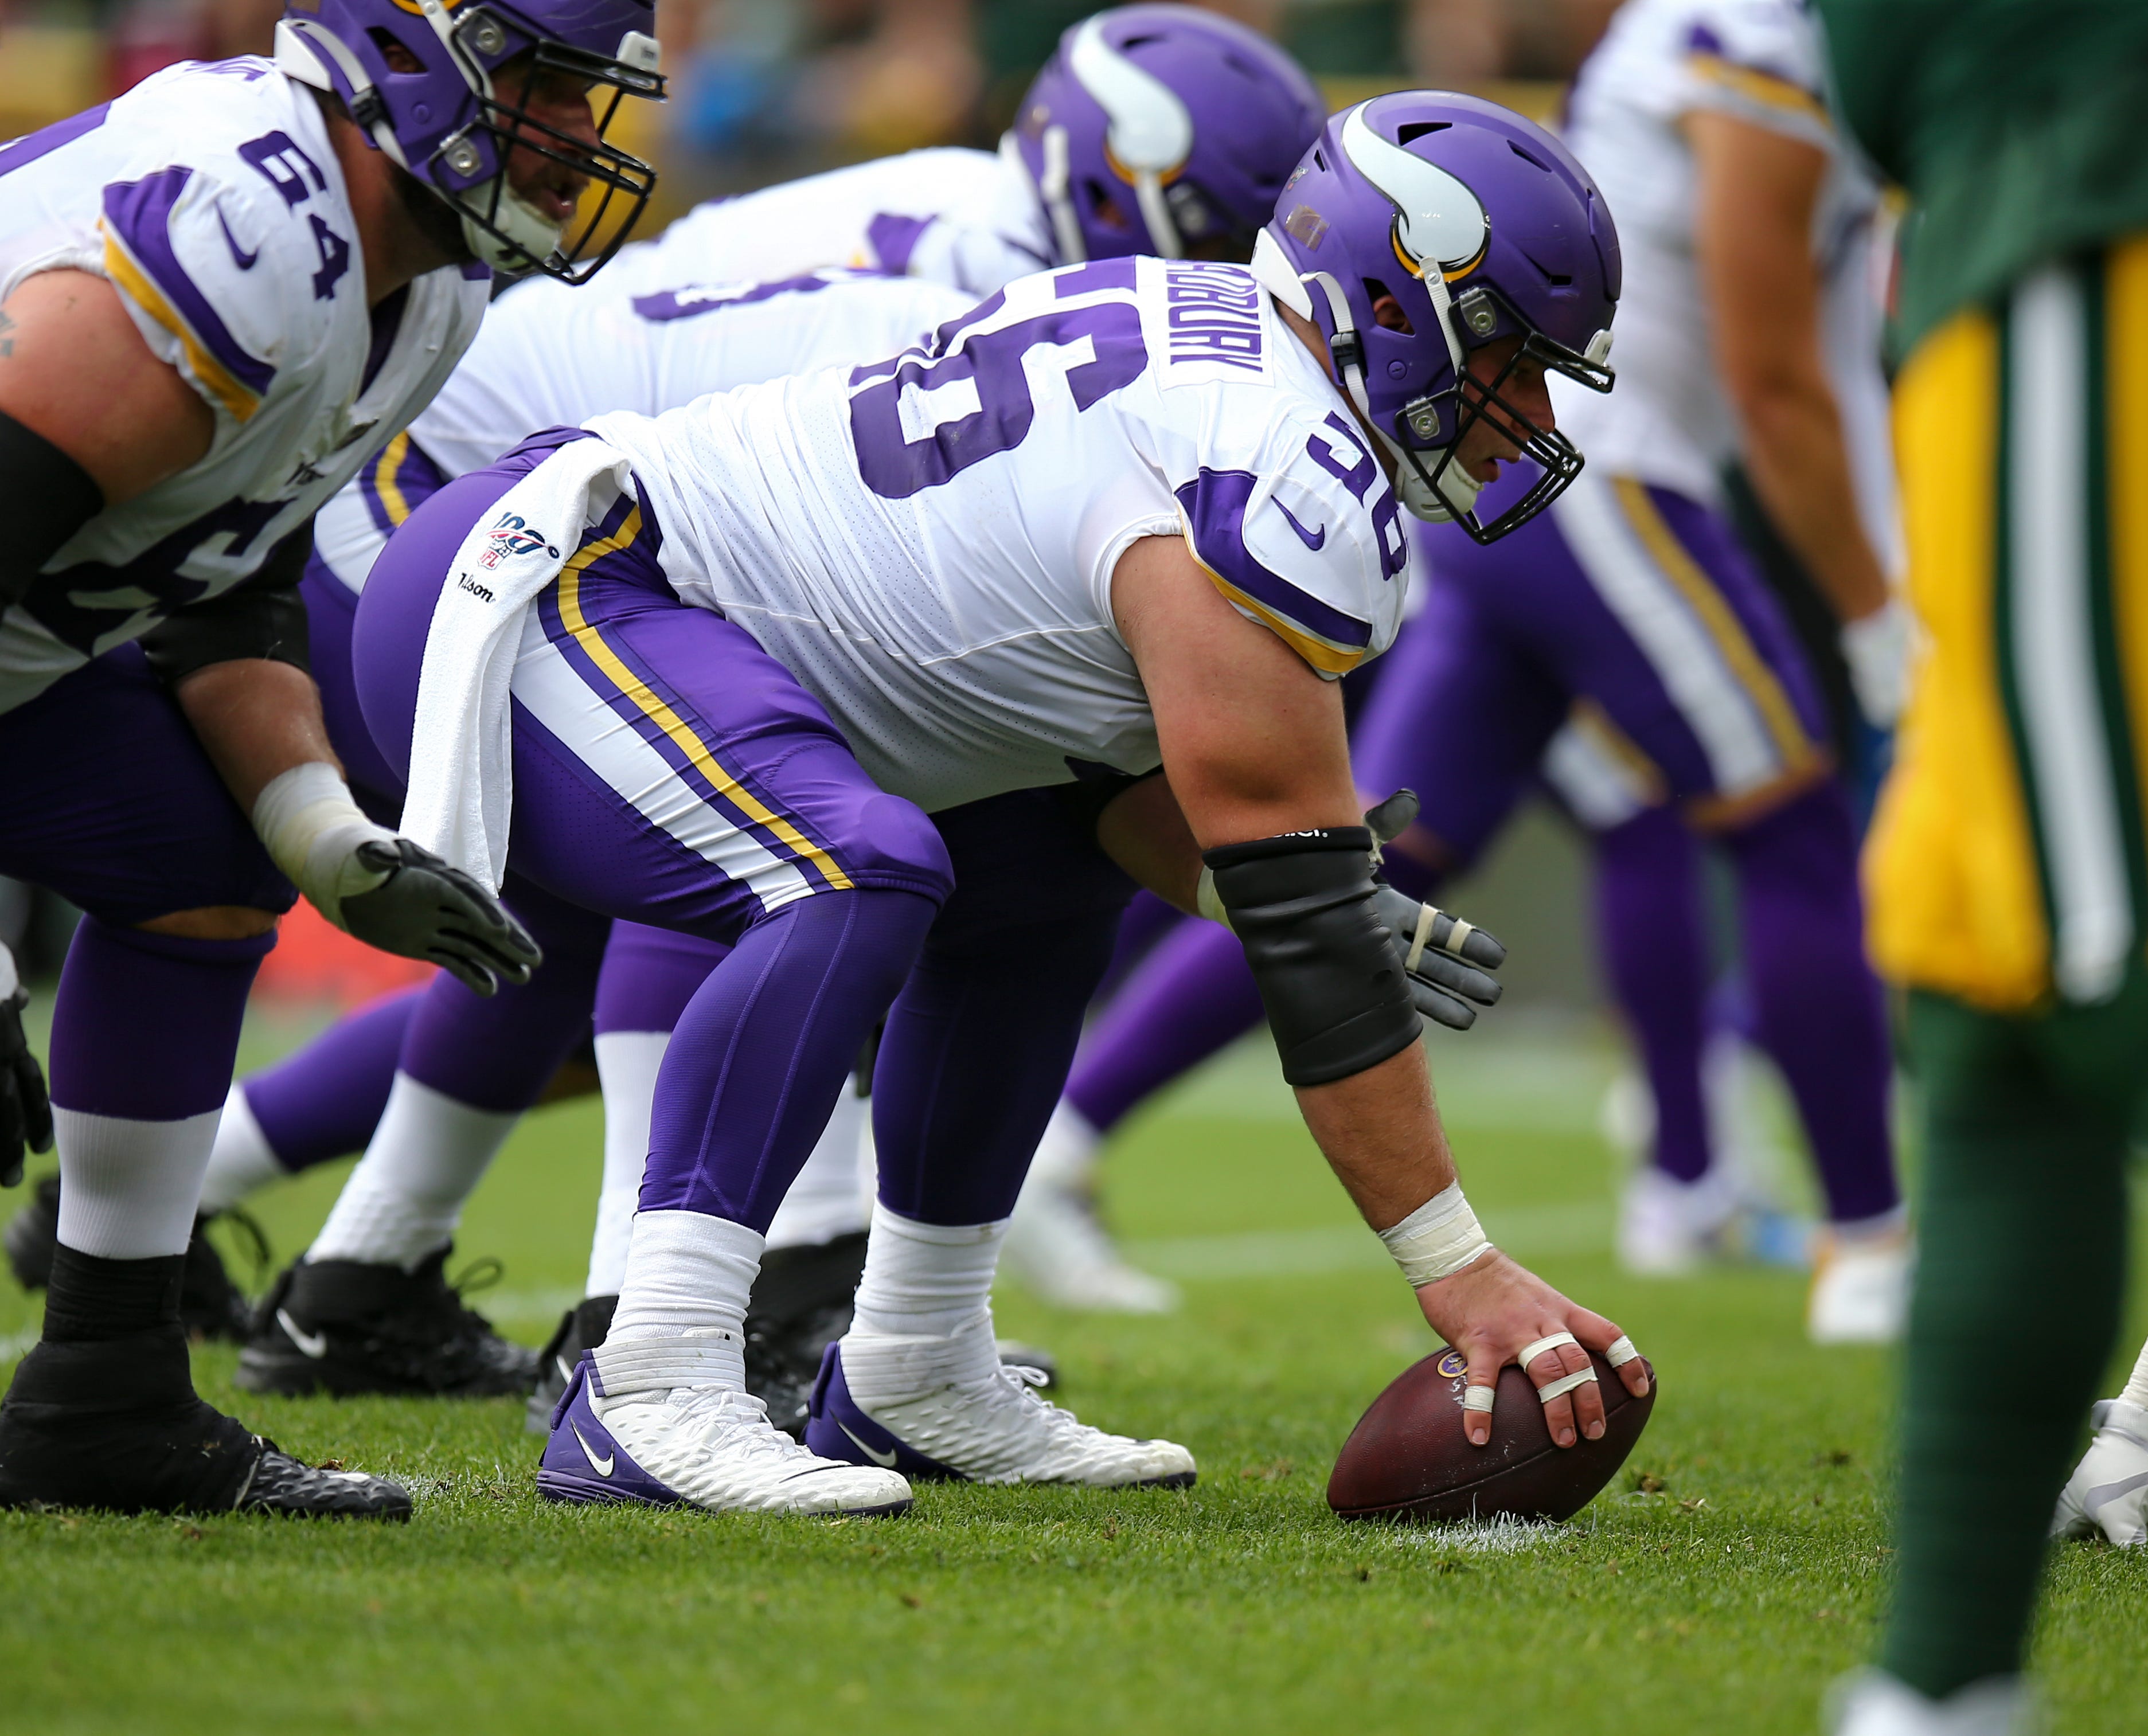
x=627, y=1062
x=826, y=1201
x=681, y=1319
x=242, y=1158
x=128, y=1189
x=926, y=1280
x=2136, y=1388
x=405, y=1197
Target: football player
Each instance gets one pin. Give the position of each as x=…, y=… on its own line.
x=711, y=670
x=219, y=295
x=1752, y=337
x=2008, y=867
x=1156, y=128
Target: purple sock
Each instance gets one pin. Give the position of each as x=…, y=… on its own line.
x=971, y=1066
x=1655, y=954
x=1820, y=1013
x=145, y=1027
x=498, y=1054
x=1192, y=995
x=649, y=974
x=324, y=1102
x=767, y=1041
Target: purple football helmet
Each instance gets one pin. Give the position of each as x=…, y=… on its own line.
x=1482, y=227
x=1163, y=129
x=453, y=124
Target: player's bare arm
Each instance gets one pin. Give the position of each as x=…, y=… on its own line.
x=1253, y=743
x=1753, y=234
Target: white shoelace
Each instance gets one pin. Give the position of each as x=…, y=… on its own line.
x=736, y=1424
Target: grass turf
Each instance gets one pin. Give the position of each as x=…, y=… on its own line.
x=1721, y=1594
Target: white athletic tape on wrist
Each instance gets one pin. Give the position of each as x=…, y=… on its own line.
x=312, y=829
x=1478, y=1399
x=1529, y=1352
x=1621, y=1352
x=9, y=981
x=1565, y=1384
x=1437, y=1239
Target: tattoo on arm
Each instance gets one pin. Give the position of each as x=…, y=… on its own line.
x=7, y=336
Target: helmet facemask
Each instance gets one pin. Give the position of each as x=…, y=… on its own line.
x=1473, y=400
x=502, y=228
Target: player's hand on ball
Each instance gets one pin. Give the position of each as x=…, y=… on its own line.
x=1495, y=1312
x=1445, y=958
x=26, y=1112
x=423, y=908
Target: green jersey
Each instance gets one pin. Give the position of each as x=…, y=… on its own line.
x=2019, y=129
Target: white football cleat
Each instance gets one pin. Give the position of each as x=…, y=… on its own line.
x=1860, y=1289
x=944, y=1410
x=1056, y=1246
x=2108, y=1491
x=1874, y=1704
x=708, y=1447
x=1668, y=1228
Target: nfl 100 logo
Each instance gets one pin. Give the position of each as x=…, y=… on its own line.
x=512, y=535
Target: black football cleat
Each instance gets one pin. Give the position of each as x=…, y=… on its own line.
x=115, y=1425
x=211, y=1306
x=583, y=1326
x=343, y=1327
x=802, y=1305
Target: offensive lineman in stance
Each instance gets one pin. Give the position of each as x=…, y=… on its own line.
x=705, y=671
x=219, y=294
x=738, y=290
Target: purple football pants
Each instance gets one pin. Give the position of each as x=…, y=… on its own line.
x=668, y=771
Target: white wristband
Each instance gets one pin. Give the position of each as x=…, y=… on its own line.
x=1437, y=1239
x=9, y=981
x=312, y=829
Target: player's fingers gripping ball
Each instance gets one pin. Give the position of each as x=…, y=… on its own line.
x=1408, y=1458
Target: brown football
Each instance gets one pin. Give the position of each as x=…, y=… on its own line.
x=1407, y=1458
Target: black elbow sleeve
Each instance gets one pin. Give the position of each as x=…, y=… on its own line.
x=49, y=497
x=1332, y=981
x=264, y=616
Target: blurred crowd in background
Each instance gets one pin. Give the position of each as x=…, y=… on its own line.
x=766, y=90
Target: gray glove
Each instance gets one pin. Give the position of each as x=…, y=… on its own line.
x=1441, y=954
x=425, y=909
x=26, y=1112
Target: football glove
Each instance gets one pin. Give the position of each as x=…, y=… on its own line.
x=425, y=909
x=26, y=1112
x=1445, y=958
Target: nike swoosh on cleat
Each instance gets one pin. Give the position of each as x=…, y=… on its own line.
x=240, y=257
x=2093, y=1501
x=313, y=1344
x=602, y=1467
x=1312, y=539
x=885, y=1461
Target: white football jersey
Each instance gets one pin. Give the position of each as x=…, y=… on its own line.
x=970, y=219
x=209, y=196
x=1667, y=421
x=553, y=355
x=927, y=542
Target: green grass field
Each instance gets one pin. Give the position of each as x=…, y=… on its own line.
x=1723, y=1599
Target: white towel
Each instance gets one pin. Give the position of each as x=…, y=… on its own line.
x=462, y=789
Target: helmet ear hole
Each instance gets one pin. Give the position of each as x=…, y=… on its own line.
x=1386, y=309
x=1103, y=208
x=394, y=50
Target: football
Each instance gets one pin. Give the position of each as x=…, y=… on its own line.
x=1407, y=1458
